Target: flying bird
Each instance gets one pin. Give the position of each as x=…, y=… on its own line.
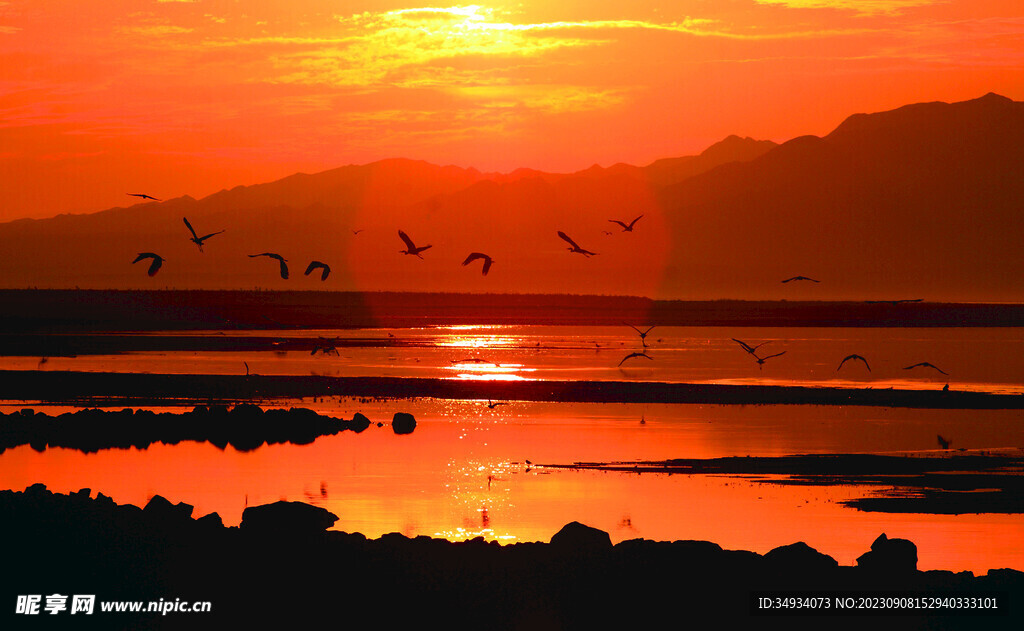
x=494, y=404
x=155, y=266
x=762, y=360
x=643, y=334
x=575, y=248
x=801, y=278
x=196, y=238
x=927, y=365
x=747, y=347
x=357, y=231
x=626, y=228
x=944, y=443
x=325, y=346
x=849, y=357
x=631, y=355
x=281, y=259
x=323, y=266
x=476, y=255
x=143, y=196
x=410, y=246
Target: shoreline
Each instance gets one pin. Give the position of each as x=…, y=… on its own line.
x=68, y=310
x=281, y=561
x=114, y=389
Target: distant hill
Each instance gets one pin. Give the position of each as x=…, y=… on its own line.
x=924, y=201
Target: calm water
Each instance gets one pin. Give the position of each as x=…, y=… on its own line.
x=976, y=359
x=463, y=472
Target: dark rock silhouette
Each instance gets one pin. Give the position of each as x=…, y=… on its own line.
x=403, y=423
x=889, y=556
x=578, y=538
x=287, y=568
x=800, y=558
x=359, y=422
x=161, y=510
x=244, y=426
x=287, y=518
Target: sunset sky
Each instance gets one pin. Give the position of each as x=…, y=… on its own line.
x=174, y=97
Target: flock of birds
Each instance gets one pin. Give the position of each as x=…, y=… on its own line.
x=411, y=249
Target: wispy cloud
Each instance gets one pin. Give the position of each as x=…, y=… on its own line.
x=862, y=7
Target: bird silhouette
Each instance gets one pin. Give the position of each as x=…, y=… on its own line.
x=849, y=357
x=944, y=443
x=196, y=238
x=631, y=355
x=354, y=232
x=281, y=259
x=762, y=360
x=476, y=255
x=410, y=246
x=323, y=266
x=642, y=334
x=494, y=404
x=747, y=347
x=801, y=278
x=143, y=196
x=575, y=248
x=927, y=365
x=154, y=266
x=325, y=346
x=625, y=227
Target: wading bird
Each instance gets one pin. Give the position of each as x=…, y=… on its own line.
x=155, y=266
x=642, y=334
x=281, y=259
x=575, y=248
x=323, y=266
x=476, y=255
x=196, y=238
x=626, y=228
x=143, y=196
x=801, y=278
x=631, y=355
x=849, y=357
x=762, y=360
x=494, y=404
x=410, y=246
x=747, y=347
x=927, y=365
x=943, y=442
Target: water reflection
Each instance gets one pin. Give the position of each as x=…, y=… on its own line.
x=469, y=470
x=989, y=360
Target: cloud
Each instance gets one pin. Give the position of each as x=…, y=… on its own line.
x=862, y=7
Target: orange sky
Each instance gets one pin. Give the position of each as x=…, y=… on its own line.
x=173, y=97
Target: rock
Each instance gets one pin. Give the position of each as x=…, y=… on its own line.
x=160, y=510
x=403, y=423
x=359, y=422
x=800, y=558
x=889, y=556
x=576, y=537
x=211, y=522
x=287, y=517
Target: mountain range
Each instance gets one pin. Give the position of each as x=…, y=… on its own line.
x=923, y=201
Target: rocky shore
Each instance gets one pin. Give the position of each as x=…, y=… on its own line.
x=281, y=564
x=245, y=427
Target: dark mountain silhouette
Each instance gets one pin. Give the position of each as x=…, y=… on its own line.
x=924, y=200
